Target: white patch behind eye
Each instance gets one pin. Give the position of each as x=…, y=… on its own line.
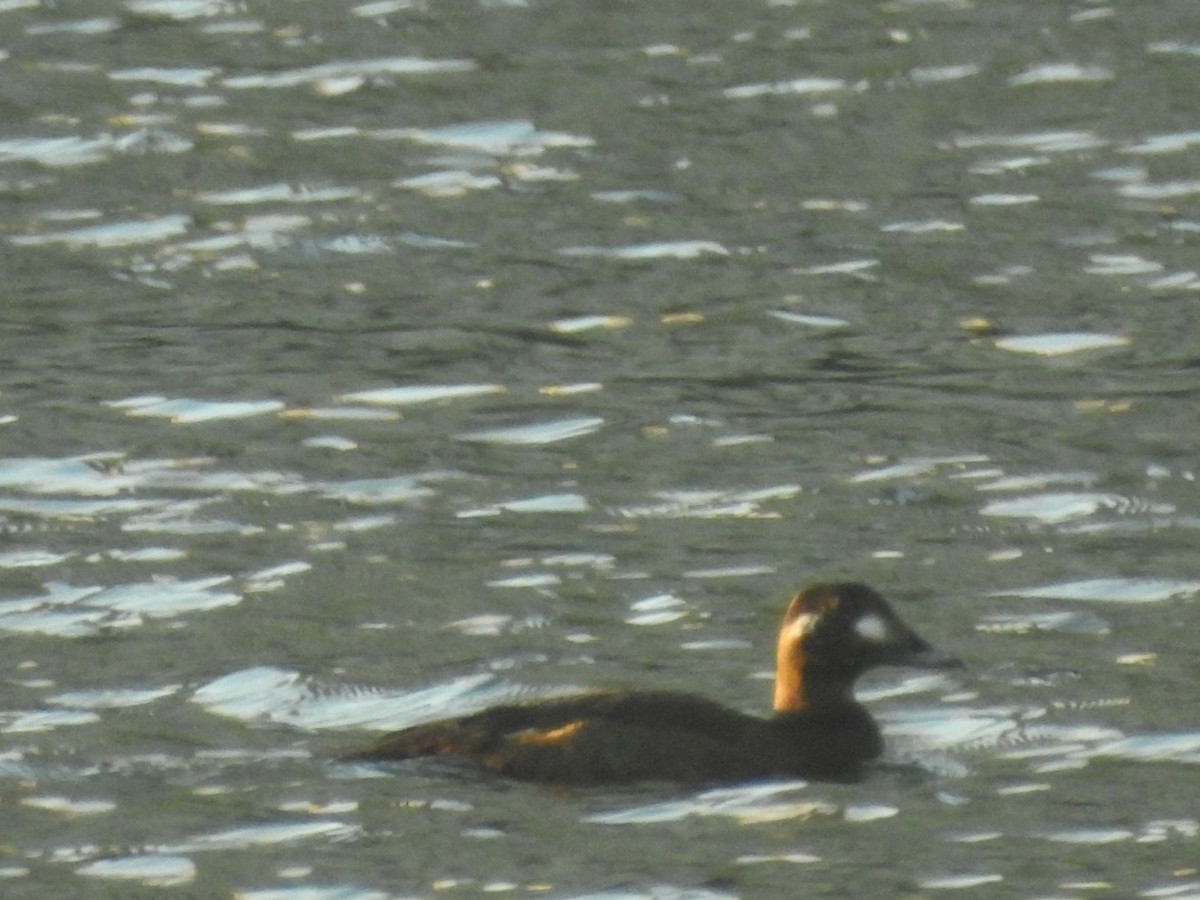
x=873, y=628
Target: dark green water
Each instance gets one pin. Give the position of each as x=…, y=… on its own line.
x=685, y=304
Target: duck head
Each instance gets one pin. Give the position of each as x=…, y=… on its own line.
x=831, y=634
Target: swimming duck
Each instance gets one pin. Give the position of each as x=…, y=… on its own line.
x=831, y=634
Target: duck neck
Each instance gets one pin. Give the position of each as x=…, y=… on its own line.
x=795, y=689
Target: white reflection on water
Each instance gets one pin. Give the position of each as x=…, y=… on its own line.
x=1030, y=734
x=421, y=393
x=682, y=249
x=659, y=609
x=54, y=613
x=1110, y=590
x=812, y=85
x=1162, y=190
x=1004, y=199
x=179, y=10
x=69, y=806
x=180, y=519
x=1087, y=835
x=311, y=892
x=924, y=465
x=112, y=698
x=535, y=580
x=273, y=577
x=448, y=183
x=792, y=857
x=576, y=324
x=1061, y=622
x=1121, y=264
x=166, y=596
x=869, y=812
x=343, y=413
x=1058, y=344
x=112, y=234
x=68, y=611
x=77, y=509
x=748, y=804
x=1058, y=73
x=383, y=7
x=177, y=75
x=959, y=881
x=63, y=152
x=940, y=727
x=859, y=268
x=809, y=320
x=395, y=65
x=938, y=74
x=1009, y=732
x=364, y=523
x=185, y=411
x=536, y=433
x=266, y=834
x=1038, y=480
x=1169, y=142
x=1177, y=747
x=506, y=137
x=31, y=559
x=1041, y=141
x=147, y=554
x=712, y=503
x=399, y=488
x=167, y=865
x=1061, y=506
x=923, y=226
x=97, y=25
x=278, y=193
x=47, y=720
x=735, y=571
x=153, y=870
x=549, y=503
x=654, y=892
x=483, y=624
x=281, y=695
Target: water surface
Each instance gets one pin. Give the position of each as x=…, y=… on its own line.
x=367, y=364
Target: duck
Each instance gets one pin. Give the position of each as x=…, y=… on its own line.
x=831, y=634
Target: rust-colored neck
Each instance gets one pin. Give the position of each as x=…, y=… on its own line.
x=789, y=666
x=797, y=686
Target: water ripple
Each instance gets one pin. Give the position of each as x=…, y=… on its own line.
x=281, y=695
x=184, y=411
x=152, y=870
x=112, y=234
x=537, y=432
x=680, y=249
x=363, y=68
x=424, y=393
x=1110, y=590
x=750, y=804
x=1057, y=507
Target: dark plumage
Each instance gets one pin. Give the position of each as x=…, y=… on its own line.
x=831, y=634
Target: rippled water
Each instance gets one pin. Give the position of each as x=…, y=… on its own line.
x=368, y=364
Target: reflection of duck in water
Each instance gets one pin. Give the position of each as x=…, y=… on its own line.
x=831, y=634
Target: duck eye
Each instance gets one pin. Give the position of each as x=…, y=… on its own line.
x=873, y=628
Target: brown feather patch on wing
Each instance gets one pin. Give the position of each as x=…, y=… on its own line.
x=550, y=736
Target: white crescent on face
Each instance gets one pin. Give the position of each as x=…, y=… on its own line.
x=873, y=628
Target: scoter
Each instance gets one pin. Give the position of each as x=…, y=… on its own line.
x=831, y=634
